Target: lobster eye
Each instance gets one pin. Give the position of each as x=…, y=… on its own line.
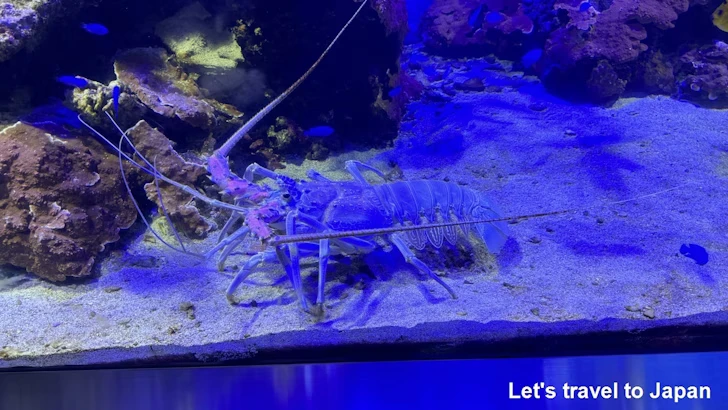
x=286, y=196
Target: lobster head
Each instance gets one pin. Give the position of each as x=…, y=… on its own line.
x=265, y=207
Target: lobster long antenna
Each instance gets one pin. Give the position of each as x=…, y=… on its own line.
x=154, y=172
x=310, y=237
x=136, y=205
x=282, y=239
x=164, y=208
x=224, y=150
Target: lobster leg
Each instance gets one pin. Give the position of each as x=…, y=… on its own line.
x=410, y=257
x=291, y=220
x=324, y=251
x=354, y=169
x=234, y=217
x=254, y=169
x=354, y=244
x=228, y=224
x=316, y=176
x=323, y=262
x=226, y=252
x=293, y=266
x=283, y=181
x=225, y=241
x=247, y=269
x=228, y=244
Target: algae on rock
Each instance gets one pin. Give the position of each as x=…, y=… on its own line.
x=169, y=91
x=192, y=36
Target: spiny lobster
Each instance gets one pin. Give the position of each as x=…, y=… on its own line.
x=301, y=218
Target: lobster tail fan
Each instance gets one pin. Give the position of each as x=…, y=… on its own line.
x=494, y=234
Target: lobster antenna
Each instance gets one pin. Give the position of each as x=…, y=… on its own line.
x=136, y=205
x=283, y=239
x=224, y=150
x=164, y=208
x=150, y=169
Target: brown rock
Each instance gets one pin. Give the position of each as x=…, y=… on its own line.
x=61, y=202
x=169, y=91
x=153, y=144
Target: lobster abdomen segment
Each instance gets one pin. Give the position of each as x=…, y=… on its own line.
x=438, y=201
x=349, y=206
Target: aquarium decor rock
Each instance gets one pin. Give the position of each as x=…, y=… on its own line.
x=169, y=91
x=24, y=23
x=448, y=24
x=17, y=26
x=153, y=144
x=193, y=38
x=617, y=34
x=61, y=200
x=703, y=73
x=393, y=14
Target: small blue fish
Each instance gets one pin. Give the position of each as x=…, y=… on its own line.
x=318, y=132
x=395, y=91
x=72, y=80
x=476, y=17
x=494, y=17
x=95, y=28
x=115, y=95
x=531, y=57
x=584, y=6
x=695, y=252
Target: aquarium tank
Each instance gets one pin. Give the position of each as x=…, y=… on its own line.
x=247, y=181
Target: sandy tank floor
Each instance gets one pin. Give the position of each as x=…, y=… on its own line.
x=615, y=267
